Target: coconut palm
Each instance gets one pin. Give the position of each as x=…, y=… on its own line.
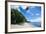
x=17, y=17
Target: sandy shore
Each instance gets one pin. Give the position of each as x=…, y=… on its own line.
x=25, y=25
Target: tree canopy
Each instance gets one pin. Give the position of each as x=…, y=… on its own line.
x=17, y=17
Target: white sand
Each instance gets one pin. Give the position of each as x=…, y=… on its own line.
x=25, y=25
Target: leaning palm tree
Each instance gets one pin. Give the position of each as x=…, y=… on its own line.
x=17, y=17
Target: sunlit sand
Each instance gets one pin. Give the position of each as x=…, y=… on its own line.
x=25, y=25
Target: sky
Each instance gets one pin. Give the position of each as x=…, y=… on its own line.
x=33, y=14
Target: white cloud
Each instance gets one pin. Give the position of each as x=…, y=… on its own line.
x=24, y=7
x=37, y=14
x=27, y=11
x=36, y=20
x=32, y=6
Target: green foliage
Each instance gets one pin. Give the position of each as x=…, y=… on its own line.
x=17, y=17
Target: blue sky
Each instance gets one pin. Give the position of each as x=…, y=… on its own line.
x=33, y=13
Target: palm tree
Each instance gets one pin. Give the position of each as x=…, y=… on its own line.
x=17, y=17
